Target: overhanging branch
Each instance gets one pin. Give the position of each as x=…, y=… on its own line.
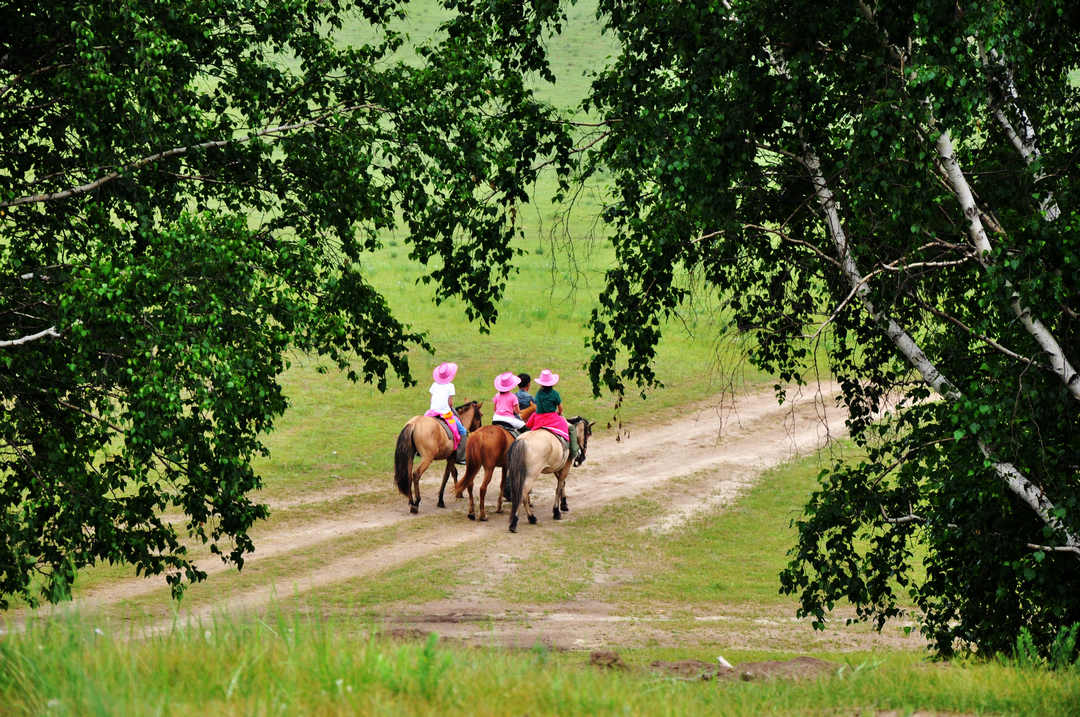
x=50, y=332
x=157, y=157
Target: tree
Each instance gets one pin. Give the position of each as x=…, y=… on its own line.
x=187, y=189
x=891, y=187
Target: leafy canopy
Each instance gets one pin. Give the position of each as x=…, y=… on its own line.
x=799, y=158
x=186, y=190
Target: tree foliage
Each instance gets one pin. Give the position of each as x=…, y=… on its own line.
x=186, y=191
x=892, y=187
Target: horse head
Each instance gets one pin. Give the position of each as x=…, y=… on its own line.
x=477, y=419
x=584, y=436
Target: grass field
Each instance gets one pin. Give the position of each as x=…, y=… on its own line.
x=291, y=665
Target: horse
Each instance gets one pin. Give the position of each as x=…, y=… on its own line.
x=426, y=436
x=486, y=449
x=540, y=451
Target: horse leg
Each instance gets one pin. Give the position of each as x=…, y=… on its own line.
x=527, y=501
x=445, y=477
x=502, y=484
x=414, y=504
x=483, y=492
x=467, y=483
x=560, y=493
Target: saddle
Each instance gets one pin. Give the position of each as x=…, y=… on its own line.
x=515, y=432
x=451, y=433
x=564, y=442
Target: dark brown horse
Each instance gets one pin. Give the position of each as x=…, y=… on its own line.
x=426, y=436
x=486, y=449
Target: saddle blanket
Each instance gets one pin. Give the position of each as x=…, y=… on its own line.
x=448, y=426
x=552, y=422
x=564, y=442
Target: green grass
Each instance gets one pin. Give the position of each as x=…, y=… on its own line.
x=293, y=665
x=727, y=556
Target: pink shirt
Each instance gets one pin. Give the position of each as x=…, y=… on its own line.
x=505, y=403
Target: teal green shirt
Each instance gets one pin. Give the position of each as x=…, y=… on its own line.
x=547, y=400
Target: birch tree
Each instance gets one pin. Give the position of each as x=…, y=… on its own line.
x=186, y=191
x=887, y=191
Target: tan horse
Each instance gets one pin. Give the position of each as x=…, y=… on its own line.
x=536, y=452
x=426, y=436
x=486, y=449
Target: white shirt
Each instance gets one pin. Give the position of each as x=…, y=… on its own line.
x=440, y=397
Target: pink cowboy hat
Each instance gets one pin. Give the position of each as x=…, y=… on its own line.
x=506, y=381
x=444, y=372
x=547, y=378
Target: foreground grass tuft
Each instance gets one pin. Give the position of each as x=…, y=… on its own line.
x=296, y=665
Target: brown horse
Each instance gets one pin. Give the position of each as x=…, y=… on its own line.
x=426, y=436
x=537, y=452
x=486, y=449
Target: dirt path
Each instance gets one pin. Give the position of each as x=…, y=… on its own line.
x=720, y=449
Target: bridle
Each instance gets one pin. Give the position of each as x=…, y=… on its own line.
x=584, y=441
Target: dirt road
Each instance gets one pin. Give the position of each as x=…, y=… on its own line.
x=720, y=448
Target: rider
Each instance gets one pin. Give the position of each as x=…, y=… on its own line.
x=523, y=396
x=506, y=403
x=549, y=410
x=442, y=402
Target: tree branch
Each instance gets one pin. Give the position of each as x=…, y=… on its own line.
x=981, y=337
x=49, y=332
x=1055, y=548
x=903, y=519
x=268, y=131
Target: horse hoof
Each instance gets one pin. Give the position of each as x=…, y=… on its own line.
x=472, y=516
x=414, y=509
x=513, y=524
x=532, y=520
x=441, y=504
x=483, y=518
x=565, y=508
x=556, y=514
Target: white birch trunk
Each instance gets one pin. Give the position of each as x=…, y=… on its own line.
x=1031, y=494
x=955, y=177
x=1024, y=141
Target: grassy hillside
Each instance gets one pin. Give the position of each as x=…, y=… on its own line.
x=336, y=428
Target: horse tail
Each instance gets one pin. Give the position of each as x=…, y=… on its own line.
x=514, y=482
x=403, y=459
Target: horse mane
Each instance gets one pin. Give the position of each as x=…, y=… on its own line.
x=467, y=404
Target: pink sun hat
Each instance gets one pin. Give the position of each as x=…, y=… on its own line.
x=547, y=378
x=506, y=381
x=444, y=372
